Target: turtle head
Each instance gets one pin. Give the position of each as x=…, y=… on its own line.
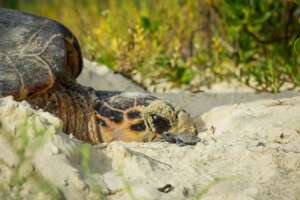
x=138, y=117
x=160, y=117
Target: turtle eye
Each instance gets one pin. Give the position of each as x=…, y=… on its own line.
x=160, y=124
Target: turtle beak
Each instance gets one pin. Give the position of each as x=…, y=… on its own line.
x=184, y=123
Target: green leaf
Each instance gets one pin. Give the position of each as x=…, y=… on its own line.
x=297, y=2
x=297, y=46
x=146, y=23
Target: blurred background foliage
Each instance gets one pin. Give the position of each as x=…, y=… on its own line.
x=187, y=42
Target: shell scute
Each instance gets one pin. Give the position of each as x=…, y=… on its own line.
x=107, y=112
x=133, y=114
x=121, y=102
x=38, y=50
x=145, y=101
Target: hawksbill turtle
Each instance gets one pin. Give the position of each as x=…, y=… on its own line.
x=39, y=62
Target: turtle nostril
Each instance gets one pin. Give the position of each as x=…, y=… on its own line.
x=160, y=124
x=167, y=134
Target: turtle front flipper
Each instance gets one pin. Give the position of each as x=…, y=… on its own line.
x=35, y=53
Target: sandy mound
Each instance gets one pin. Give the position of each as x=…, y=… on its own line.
x=249, y=151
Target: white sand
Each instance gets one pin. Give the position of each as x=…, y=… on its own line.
x=252, y=152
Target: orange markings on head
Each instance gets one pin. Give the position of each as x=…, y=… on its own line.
x=127, y=130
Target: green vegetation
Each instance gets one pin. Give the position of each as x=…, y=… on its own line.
x=198, y=195
x=251, y=41
x=85, y=165
x=26, y=142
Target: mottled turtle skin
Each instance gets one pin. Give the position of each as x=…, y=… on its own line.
x=39, y=62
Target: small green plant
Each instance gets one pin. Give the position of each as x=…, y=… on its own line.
x=26, y=143
x=126, y=184
x=85, y=164
x=28, y=140
x=199, y=195
x=261, y=34
x=204, y=190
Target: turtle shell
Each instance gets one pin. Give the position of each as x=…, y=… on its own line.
x=35, y=53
